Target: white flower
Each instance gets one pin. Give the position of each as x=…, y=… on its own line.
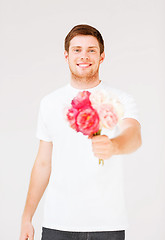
x=99, y=97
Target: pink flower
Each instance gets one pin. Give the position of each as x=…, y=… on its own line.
x=100, y=97
x=81, y=100
x=87, y=120
x=71, y=117
x=108, y=116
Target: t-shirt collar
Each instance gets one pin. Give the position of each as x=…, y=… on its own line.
x=73, y=89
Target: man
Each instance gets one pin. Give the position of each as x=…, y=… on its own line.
x=84, y=200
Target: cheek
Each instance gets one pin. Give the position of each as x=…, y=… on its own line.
x=95, y=60
x=72, y=61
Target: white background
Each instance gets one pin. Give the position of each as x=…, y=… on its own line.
x=32, y=65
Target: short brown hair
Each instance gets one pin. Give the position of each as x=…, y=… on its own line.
x=84, y=29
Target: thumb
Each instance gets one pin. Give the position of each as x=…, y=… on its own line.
x=90, y=136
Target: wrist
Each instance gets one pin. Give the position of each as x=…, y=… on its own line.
x=26, y=218
x=115, y=147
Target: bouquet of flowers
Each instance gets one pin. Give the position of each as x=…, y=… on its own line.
x=90, y=112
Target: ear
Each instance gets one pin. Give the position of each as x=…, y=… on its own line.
x=66, y=55
x=102, y=56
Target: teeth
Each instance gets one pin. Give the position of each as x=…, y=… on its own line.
x=84, y=65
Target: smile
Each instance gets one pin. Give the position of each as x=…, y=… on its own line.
x=84, y=65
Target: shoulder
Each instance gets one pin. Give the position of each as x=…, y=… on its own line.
x=122, y=95
x=127, y=100
x=52, y=97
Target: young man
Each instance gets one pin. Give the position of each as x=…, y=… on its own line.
x=84, y=200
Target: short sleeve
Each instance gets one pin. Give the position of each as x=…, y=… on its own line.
x=42, y=129
x=130, y=107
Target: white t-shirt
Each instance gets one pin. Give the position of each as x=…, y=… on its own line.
x=82, y=195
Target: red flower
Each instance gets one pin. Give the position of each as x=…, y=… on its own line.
x=81, y=100
x=87, y=120
x=71, y=116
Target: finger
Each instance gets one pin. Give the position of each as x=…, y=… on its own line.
x=99, y=138
x=30, y=237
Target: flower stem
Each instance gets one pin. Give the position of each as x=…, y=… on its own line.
x=99, y=133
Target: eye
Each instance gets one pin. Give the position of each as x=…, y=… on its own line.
x=76, y=50
x=92, y=50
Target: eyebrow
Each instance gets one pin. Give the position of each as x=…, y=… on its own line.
x=80, y=47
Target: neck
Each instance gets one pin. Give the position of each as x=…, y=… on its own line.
x=84, y=83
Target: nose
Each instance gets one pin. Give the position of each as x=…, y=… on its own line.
x=84, y=55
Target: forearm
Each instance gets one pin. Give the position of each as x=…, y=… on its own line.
x=127, y=142
x=38, y=182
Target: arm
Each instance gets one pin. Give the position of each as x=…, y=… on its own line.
x=128, y=141
x=38, y=182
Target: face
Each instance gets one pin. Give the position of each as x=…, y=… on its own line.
x=84, y=57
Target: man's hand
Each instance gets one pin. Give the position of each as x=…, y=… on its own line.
x=27, y=231
x=128, y=141
x=102, y=146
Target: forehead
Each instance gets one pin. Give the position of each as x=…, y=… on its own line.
x=84, y=41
